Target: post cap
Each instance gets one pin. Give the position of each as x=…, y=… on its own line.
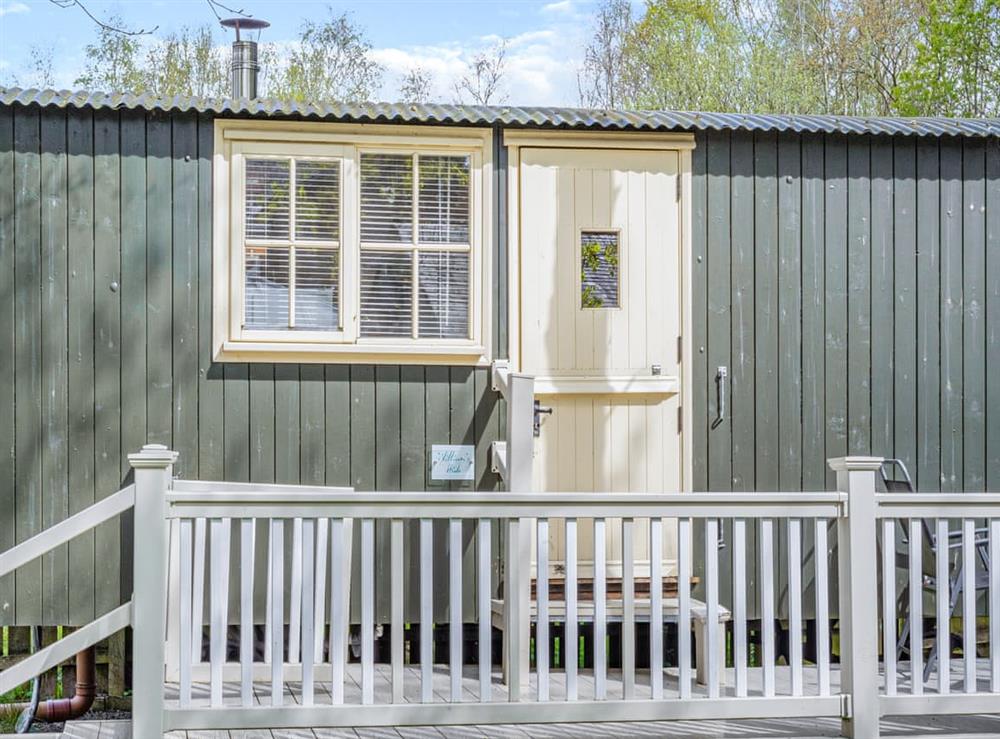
x=152, y=455
x=855, y=464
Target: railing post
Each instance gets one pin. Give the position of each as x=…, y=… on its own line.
x=517, y=585
x=858, y=584
x=153, y=466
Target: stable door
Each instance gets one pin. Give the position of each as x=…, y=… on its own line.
x=601, y=306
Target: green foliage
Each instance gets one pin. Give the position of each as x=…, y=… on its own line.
x=114, y=61
x=842, y=57
x=957, y=66
x=331, y=60
x=595, y=256
x=188, y=62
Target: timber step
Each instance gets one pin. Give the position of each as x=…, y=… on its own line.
x=613, y=588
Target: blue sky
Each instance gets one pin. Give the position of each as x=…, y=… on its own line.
x=545, y=39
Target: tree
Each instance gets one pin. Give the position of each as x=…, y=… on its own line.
x=113, y=61
x=188, y=62
x=481, y=83
x=330, y=60
x=955, y=71
x=416, y=86
x=604, y=80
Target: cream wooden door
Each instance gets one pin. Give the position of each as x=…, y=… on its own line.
x=601, y=296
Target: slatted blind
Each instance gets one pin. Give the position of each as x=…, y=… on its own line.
x=415, y=253
x=292, y=244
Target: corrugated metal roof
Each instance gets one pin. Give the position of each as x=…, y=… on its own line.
x=508, y=115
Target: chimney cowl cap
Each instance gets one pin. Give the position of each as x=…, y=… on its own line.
x=244, y=24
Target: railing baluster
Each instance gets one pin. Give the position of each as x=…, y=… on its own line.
x=684, y=606
x=396, y=597
x=308, y=651
x=570, y=655
x=485, y=612
x=943, y=604
x=711, y=630
x=426, y=610
x=740, y=606
x=219, y=606
x=295, y=596
x=542, y=599
x=767, y=601
x=889, y=604
x=916, y=586
x=198, y=589
x=319, y=613
x=277, y=588
x=628, y=608
x=795, y=602
x=247, y=536
x=994, y=612
x=184, y=640
x=822, y=607
x=656, y=607
x=455, y=607
x=367, y=611
x=600, y=609
x=268, y=588
x=969, y=603
x=339, y=604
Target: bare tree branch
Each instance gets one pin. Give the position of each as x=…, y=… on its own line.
x=215, y=6
x=99, y=22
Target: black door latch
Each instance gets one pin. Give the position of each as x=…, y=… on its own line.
x=539, y=410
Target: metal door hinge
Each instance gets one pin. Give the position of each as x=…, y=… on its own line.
x=680, y=419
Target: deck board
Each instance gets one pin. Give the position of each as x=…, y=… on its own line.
x=808, y=727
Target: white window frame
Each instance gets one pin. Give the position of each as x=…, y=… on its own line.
x=236, y=139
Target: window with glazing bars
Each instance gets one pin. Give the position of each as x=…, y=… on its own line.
x=415, y=245
x=292, y=244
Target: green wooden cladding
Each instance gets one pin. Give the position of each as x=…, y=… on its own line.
x=851, y=284
x=105, y=278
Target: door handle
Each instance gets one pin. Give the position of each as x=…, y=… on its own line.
x=539, y=411
x=720, y=395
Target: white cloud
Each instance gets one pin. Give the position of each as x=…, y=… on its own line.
x=564, y=6
x=540, y=68
x=12, y=8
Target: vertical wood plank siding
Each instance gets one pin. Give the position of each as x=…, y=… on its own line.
x=850, y=284
x=105, y=321
x=871, y=305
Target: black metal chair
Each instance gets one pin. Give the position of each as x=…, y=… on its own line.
x=929, y=577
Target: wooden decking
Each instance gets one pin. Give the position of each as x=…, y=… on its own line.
x=958, y=726
x=909, y=728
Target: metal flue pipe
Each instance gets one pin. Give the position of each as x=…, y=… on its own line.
x=244, y=67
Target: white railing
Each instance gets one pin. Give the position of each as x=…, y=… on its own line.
x=673, y=656
x=941, y=549
x=86, y=636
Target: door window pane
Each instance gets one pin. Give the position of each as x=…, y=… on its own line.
x=599, y=273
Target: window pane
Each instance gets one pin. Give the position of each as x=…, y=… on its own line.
x=267, y=198
x=444, y=199
x=317, y=200
x=317, y=289
x=387, y=198
x=599, y=269
x=386, y=293
x=267, y=288
x=444, y=295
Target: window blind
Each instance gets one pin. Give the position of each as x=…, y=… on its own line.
x=293, y=280
x=411, y=286
x=268, y=206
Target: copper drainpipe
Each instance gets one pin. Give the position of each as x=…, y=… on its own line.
x=65, y=709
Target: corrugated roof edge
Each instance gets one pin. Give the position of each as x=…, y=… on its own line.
x=508, y=115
